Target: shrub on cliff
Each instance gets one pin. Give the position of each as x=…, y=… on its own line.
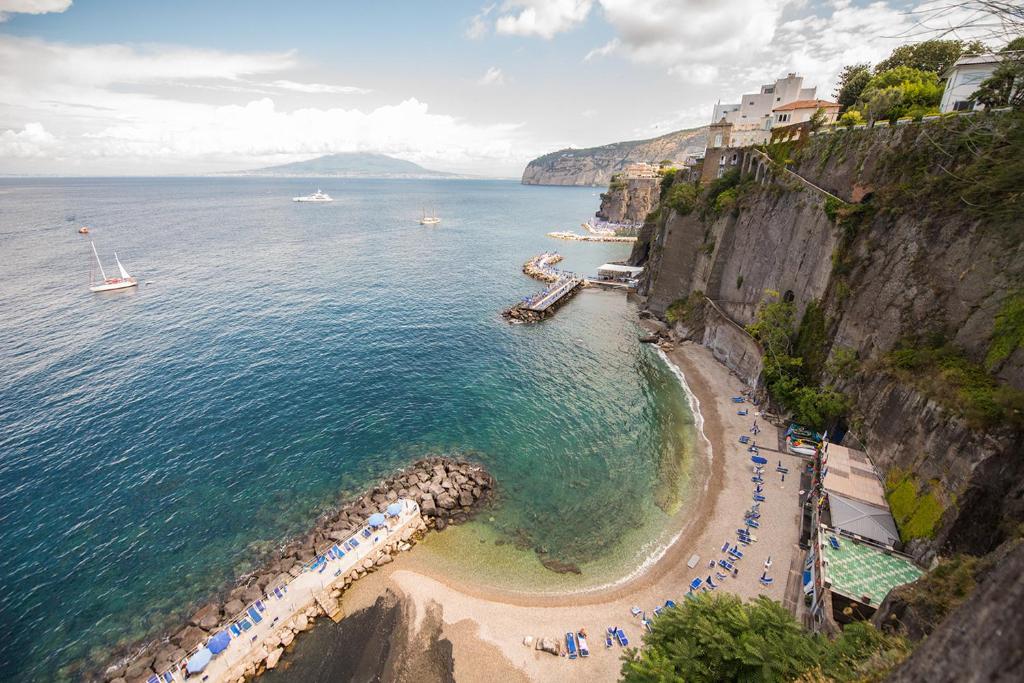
x=896, y=92
x=682, y=197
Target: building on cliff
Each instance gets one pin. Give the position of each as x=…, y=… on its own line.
x=752, y=118
x=801, y=111
x=964, y=77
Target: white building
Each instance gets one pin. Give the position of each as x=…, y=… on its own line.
x=752, y=117
x=964, y=77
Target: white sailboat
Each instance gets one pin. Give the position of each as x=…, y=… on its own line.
x=111, y=283
x=429, y=220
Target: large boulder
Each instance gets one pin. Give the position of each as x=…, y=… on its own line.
x=550, y=645
x=190, y=636
x=233, y=607
x=466, y=499
x=205, y=614
x=445, y=501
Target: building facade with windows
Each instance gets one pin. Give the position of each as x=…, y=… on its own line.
x=752, y=118
x=964, y=77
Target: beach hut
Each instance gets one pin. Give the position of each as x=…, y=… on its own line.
x=376, y=520
x=394, y=509
x=219, y=642
x=199, y=660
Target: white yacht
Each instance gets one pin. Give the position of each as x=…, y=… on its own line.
x=429, y=220
x=318, y=196
x=111, y=283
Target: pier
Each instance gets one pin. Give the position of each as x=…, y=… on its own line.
x=564, y=289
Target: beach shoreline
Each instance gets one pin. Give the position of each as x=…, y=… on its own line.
x=485, y=621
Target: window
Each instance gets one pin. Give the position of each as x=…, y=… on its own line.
x=778, y=99
x=718, y=140
x=721, y=160
x=721, y=172
x=734, y=157
x=963, y=105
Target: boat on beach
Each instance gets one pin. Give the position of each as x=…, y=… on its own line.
x=317, y=197
x=111, y=283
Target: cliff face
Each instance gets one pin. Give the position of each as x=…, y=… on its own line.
x=914, y=256
x=596, y=165
x=629, y=200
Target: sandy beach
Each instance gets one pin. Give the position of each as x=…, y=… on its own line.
x=486, y=627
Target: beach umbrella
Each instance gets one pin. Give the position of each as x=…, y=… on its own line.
x=376, y=519
x=199, y=660
x=759, y=460
x=219, y=642
x=395, y=509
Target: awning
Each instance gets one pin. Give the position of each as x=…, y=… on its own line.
x=376, y=519
x=394, y=509
x=219, y=642
x=199, y=660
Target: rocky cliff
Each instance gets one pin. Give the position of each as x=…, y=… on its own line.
x=596, y=165
x=629, y=200
x=901, y=252
x=916, y=266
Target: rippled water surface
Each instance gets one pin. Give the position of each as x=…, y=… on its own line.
x=278, y=354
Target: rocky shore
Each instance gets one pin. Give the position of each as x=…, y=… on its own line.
x=539, y=267
x=448, y=491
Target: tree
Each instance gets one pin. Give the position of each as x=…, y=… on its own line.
x=718, y=637
x=931, y=55
x=899, y=91
x=1006, y=84
x=818, y=119
x=851, y=118
x=852, y=80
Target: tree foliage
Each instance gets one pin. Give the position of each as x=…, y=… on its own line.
x=898, y=92
x=852, y=80
x=851, y=118
x=934, y=56
x=719, y=638
x=1005, y=87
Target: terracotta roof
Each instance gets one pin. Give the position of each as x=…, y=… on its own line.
x=807, y=104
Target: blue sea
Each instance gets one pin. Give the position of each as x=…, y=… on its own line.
x=279, y=355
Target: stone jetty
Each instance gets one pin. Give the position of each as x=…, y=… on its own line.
x=433, y=493
x=540, y=267
x=576, y=237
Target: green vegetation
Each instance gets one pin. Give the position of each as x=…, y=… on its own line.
x=793, y=363
x=718, y=637
x=686, y=310
x=818, y=119
x=943, y=589
x=843, y=363
x=917, y=514
x=941, y=371
x=1008, y=334
x=852, y=80
x=729, y=181
x=900, y=91
x=616, y=183
x=930, y=55
x=1005, y=87
x=682, y=197
x=852, y=118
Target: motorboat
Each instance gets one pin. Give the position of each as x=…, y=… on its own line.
x=84, y=230
x=429, y=220
x=317, y=197
x=108, y=284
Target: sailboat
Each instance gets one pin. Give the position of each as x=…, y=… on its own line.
x=429, y=220
x=112, y=283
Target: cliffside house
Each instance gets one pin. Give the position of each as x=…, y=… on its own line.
x=641, y=170
x=964, y=77
x=618, y=272
x=801, y=111
x=752, y=118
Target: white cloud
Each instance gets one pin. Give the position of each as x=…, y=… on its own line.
x=608, y=48
x=493, y=76
x=477, y=26
x=8, y=7
x=32, y=141
x=319, y=88
x=543, y=18
x=120, y=105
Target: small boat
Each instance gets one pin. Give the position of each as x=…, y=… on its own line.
x=84, y=230
x=111, y=283
x=317, y=197
x=581, y=639
x=570, y=644
x=429, y=220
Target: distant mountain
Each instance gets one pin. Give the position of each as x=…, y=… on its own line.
x=595, y=165
x=352, y=165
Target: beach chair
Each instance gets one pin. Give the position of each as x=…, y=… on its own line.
x=759, y=498
x=338, y=552
x=727, y=566
x=256, y=618
x=725, y=546
x=347, y=546
x=658, y=611
x=744, y=439
x=670, y=603
x=834, y=542
x=354, y=543
x=736, y=553
x=366, y=532
x=710, y=583
x=696, y=583
x=741, y=412
x=168, y=677
x=570, y=644
x=620, y=635
x=757, y=480
x=153, y=679
x=278, y=593
x=244, y=623
x=635, y=611
x=766, y=580
x=608, y=637
x=737, y=399
x=235, y=631
x=752, y=523
x=647, y=625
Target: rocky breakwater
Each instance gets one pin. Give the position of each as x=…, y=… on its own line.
x=447, y=491
x=540, y=267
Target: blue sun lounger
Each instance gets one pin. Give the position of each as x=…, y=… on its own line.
x=736, y=553
x=670, y=603
x=757, y=480
x=153, y=679
x=168, y=677
x=337, y=551
x=744, y=439
x=658, y=611
x=570, y=644
x=737, y=399
x=752, y=523
x=278, y=593
x=244, y=623
x=620, y=635
x=696, y=583
x=260, y=606
x=711, y=583
x=759, y=498
x=366, y=532
x=256, y=618
x=741, y=412
x=353, y=542
x=728, y=566
x=834, y=542
x=608, y=632
x=235, y=631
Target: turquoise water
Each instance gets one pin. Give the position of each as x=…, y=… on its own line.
x=152, y=440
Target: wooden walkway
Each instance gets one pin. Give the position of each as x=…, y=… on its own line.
x=561, y=290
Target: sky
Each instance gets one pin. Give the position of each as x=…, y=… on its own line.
x=150, y=87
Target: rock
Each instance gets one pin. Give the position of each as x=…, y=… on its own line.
x=549, y=645
x=302, y=623
x=235, y=606
x=477, y=492
x=115, y=671
x=427, y=506
x=528, y=641
x=264, y=581
x=440, y=523
x=435, y=490
x=252, y=594
x=367, y=563
x=204, y=613
x=558, y=566
x=272, y=641
x=466, y=499
x=391, y=496
x=189, y=637
x=274, y=657
x=138, y=670
x=286, y=638
x=295, y=570
x=118, y=680
x=445, y=501
x=339, y=534
x=384, y=559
